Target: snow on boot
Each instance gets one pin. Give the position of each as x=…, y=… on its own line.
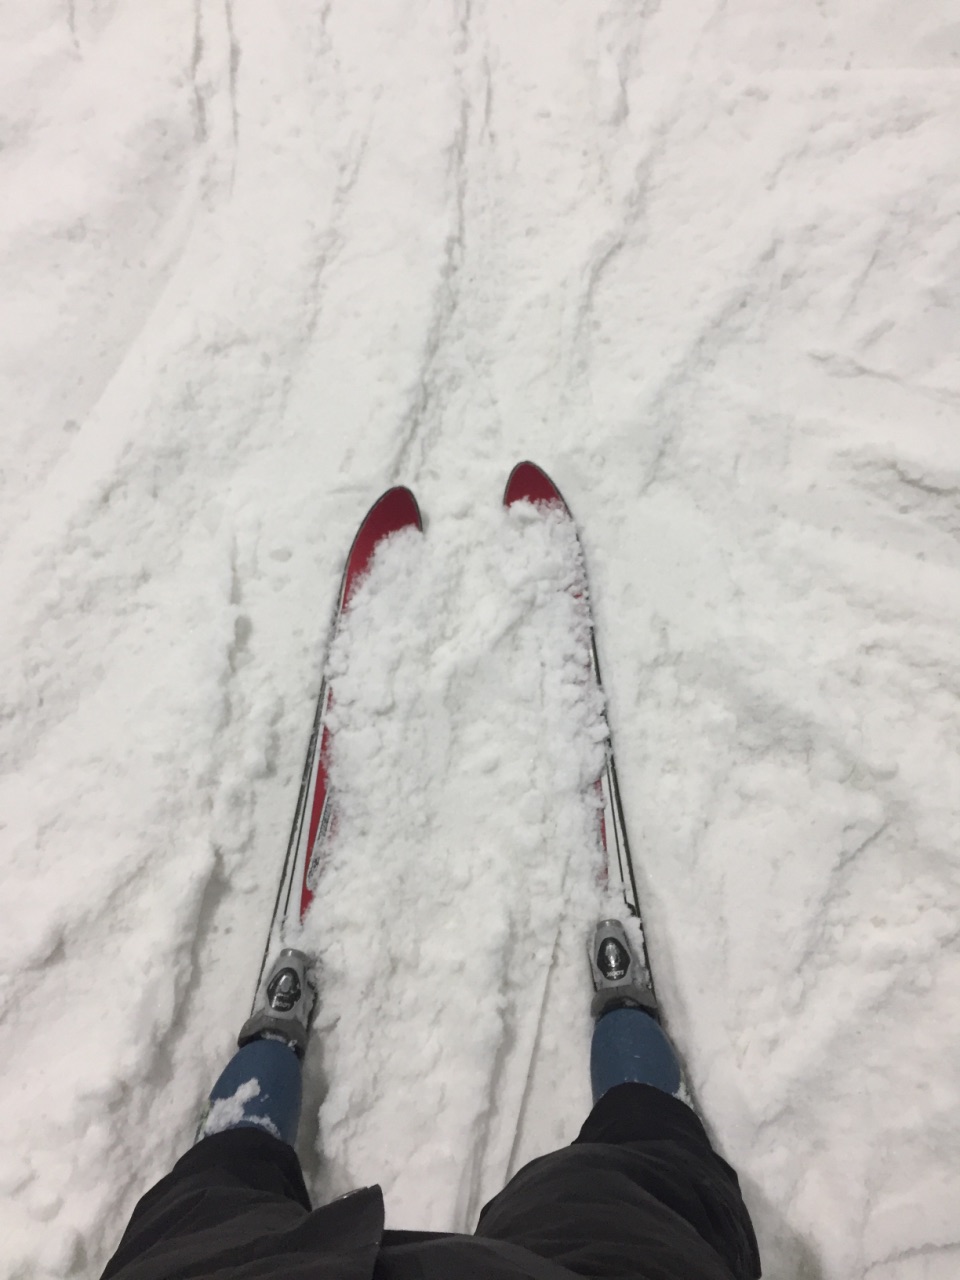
x=283, y=1010
x=618, y=978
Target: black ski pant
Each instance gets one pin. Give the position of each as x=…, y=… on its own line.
x=639, y=1195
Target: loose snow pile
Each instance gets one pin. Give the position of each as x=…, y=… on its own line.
x=702, y=262
x=462, y=877
x=227, y=1112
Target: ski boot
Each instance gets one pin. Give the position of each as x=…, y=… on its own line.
x=285, y=1003
x=618, y=977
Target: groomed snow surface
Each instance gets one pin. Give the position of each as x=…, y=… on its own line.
x=701, y=261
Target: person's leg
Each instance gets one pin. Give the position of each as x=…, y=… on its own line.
x=237, y=1196
x=260, y=1088
x=261, y=1085
x=629, y=1046
x=640, y=1190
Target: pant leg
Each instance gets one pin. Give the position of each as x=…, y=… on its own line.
x=639, y=1195
x=235, y=1207
x=237, y=1199
x=227, y=1195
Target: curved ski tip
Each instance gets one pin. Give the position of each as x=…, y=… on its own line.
x=530, y=483
x=396, y=509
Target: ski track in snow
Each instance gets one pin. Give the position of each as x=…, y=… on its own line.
x=699, y=260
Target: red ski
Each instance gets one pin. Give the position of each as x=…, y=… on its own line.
x=529, y=483
x=395, y=510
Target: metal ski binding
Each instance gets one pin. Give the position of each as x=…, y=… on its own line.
x=284, y=1006
x=617, y=975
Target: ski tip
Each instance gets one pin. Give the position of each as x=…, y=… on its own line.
x=530, y=483
x=394, y=510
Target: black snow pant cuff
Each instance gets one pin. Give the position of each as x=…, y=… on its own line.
x=641, y=1113
x=236, y=1205
x=268, y=1165
x=639, y=1195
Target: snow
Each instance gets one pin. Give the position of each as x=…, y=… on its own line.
x=465, y=858
x=702, y=262
x=227, y=1113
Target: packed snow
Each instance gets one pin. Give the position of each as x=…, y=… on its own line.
x=701, y=261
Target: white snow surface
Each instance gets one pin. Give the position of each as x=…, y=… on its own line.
x=700, y=260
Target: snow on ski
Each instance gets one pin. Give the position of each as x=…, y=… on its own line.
x=530, y=483
x=394, y=510
x=498, y=1137
x=537, y=966
x=498, y=1149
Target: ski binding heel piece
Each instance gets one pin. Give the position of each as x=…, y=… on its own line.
x=617, y=976
x=284, y=1007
